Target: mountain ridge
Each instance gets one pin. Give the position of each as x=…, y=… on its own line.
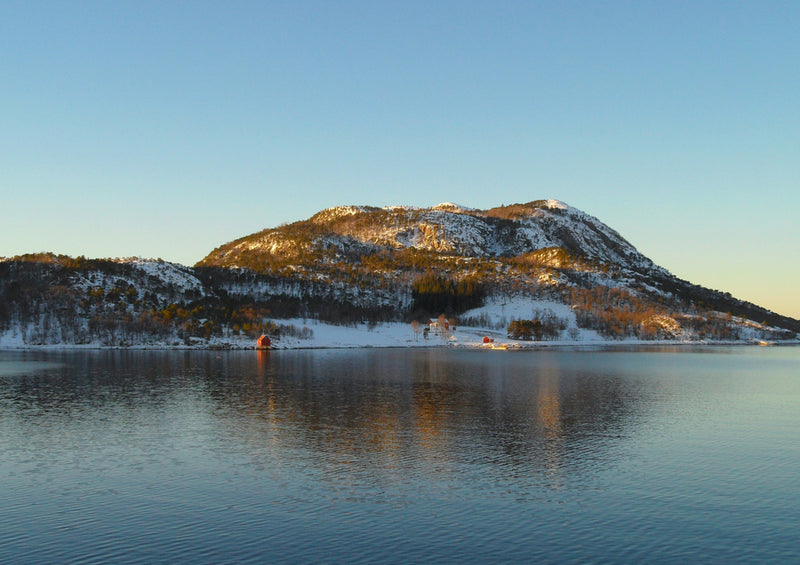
x=347, y=265
x=448, y=228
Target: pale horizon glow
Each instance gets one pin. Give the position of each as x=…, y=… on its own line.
x=166, y=129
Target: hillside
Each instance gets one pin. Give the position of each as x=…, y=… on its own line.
x=541, y=271
x=393, y=257
x=348, y=232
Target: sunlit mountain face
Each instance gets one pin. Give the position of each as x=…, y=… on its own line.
x=542, y=270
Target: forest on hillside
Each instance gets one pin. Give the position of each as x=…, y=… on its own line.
x=56, y=299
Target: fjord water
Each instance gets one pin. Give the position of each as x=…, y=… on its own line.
x=648, y=455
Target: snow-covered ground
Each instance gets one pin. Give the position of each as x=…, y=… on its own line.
x=328, y=336
x=495, y=316
x=403, y=335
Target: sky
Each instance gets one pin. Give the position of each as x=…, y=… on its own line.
x=165, y=129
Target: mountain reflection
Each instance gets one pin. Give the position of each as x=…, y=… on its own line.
x=378, y=417
x=506, y=414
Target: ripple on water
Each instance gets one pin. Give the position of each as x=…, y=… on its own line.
x=398, y=457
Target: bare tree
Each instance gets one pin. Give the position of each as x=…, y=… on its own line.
x=415, y=327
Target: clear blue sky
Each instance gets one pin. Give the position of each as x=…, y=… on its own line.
x=164, y=129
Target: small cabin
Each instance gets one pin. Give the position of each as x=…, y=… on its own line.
x=487, y=339
x=436, y=326
x=263, y=343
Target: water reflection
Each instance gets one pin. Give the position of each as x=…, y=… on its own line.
x=374, y=416
x=444, y=412
x=406, y=455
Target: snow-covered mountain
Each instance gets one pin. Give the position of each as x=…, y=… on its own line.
x=541, y=270
x=410, y=262
x=446, y=229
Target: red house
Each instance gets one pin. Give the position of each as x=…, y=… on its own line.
x=263, y=342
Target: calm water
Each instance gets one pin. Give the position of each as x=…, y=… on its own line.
x=658, y=455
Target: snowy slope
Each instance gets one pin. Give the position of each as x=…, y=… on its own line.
x=446, y=229
x=360, y=274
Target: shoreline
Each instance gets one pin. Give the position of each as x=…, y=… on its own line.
x=388, y=335
x=508, y=347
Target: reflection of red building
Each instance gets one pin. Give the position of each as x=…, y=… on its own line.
x=263, y=342
x=262, y=356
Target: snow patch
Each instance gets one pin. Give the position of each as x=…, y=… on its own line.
x=452, y=207
x=336, y=212
x=171, y=273
x=554, y=204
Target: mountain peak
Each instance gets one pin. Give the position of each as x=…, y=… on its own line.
x=554, y=204
x=451, y=207
x=445, y=229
